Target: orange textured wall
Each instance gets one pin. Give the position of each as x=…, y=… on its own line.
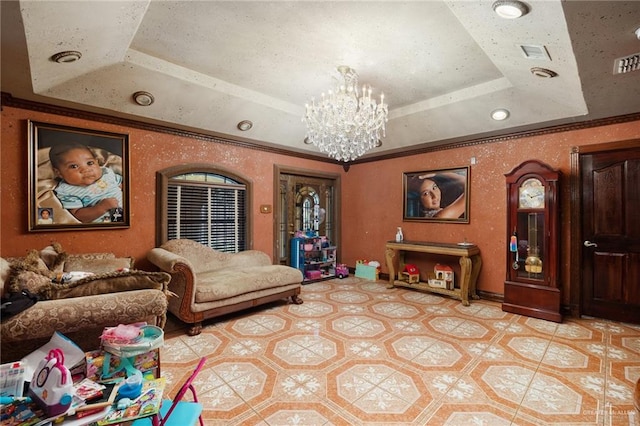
x=371, y=192
x=374, y=193
x=149, y=152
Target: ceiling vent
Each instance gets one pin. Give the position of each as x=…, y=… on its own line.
x=533, y=51
x=627, y=64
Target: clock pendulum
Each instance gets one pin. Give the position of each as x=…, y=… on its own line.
x=533, y=263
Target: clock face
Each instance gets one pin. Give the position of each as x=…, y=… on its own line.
x=531, y=194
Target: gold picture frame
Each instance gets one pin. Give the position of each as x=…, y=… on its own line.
x=440, y=195
x=96, y=165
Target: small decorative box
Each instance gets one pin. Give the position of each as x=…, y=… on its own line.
x=313, y=274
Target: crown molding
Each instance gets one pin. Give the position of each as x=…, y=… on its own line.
x=7, y=99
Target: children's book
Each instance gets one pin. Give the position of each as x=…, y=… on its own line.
x=88, y=390
x=147, y=404
x=21, y=412
x=12, y=377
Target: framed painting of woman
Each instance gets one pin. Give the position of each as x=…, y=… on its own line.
x=437, y=195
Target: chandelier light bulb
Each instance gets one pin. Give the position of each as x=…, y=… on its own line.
x=346, y=124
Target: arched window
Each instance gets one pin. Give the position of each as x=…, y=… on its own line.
x=205, y=204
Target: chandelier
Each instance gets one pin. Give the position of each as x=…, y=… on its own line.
x=346, y=124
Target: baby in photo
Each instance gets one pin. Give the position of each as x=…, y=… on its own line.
x=89, y=191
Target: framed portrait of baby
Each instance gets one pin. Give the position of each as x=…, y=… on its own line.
x=78, y=178
x=437, y=195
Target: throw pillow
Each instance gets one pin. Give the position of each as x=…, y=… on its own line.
x=33, y=282
x=5, y=273
x=53, y=256
x=112, y=282
x=97, y=266
x=33, y=262
x=30, y=274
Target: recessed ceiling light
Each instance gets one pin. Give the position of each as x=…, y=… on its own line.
x=500, y=114
x=543, y=72
x=510, y=9
x=245, y=125
x=66, y=57
x=143, y=98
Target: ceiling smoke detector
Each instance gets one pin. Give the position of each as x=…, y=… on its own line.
x=143, y=98
x=66, y=57
x=543, y=72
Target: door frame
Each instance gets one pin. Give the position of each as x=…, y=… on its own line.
x=575, y=214
x=278, y=171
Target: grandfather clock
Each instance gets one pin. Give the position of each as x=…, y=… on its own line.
x=532, y=285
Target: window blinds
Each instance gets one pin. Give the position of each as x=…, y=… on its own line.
x=213, y=215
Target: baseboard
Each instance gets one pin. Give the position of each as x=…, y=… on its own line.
x=487, y=295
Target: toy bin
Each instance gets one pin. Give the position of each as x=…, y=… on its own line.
x=313, y=274
x=366, y=271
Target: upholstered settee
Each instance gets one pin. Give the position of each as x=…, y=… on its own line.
x=115, y=294
x=211, y=283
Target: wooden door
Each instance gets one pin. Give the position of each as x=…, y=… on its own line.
x=610, y=194
x=307, y=200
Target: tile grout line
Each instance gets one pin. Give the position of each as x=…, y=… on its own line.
x=524, y=394
x=607, y=372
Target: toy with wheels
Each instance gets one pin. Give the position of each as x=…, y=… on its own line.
x=342, y=271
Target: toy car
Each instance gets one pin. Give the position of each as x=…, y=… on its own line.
x=342, y=271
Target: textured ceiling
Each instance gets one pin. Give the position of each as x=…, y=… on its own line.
x=442, y=65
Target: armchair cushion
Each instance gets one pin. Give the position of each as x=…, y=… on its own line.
x=81, y=320
x=111, y=282
x=97, y=266
x=228, y=283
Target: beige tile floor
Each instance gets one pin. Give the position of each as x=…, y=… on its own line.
x=357, y=353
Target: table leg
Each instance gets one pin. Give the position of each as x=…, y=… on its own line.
x=465, y=271
x=390, y=255
x=475, y=271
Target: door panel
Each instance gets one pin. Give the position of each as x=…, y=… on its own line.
x=306, y=203
x=611, y=233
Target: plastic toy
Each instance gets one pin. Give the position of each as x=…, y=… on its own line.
x=411, y=274
x=342, y=271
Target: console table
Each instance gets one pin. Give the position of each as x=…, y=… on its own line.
x=470, y=263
